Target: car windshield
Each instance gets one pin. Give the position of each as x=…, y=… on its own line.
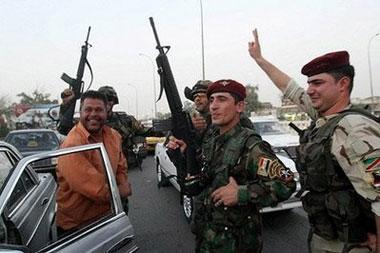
x=34, y=141
x=269, y=128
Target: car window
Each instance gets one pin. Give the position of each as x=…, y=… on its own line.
x=269, y=128
x=23, y=186
x=34, y=141
x=5, y=166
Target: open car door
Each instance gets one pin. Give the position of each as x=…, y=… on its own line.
x=28, y=211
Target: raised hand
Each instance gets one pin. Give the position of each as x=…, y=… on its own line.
x=254, y=46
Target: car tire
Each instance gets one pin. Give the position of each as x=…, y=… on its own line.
x=162, y=180
x=187, y=207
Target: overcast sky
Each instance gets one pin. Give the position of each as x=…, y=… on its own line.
x=40, y=39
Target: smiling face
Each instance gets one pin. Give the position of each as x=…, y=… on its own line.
x=225, y=112
x=328, y=95
x=93, y=115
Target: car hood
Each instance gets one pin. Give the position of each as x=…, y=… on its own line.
x=282, y=140
x=287, y=162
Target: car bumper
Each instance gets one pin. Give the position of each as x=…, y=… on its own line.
x=289, y=204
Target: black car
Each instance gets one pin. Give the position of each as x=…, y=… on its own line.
x=33, y=141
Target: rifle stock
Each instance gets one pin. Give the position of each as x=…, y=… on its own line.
x=182, y=127
x=76, y=84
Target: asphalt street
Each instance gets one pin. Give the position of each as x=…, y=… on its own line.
x=160, y=226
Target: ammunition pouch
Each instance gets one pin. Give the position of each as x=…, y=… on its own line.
x=194, y=185
x=339, y=215
x=348, y=217
x=320, y=221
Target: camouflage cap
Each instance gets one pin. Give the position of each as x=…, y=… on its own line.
x=110, y=93
x=200, y=86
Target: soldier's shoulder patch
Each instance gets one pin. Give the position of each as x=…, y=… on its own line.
x=273, y=169
x=372, y=164
x=263, y=166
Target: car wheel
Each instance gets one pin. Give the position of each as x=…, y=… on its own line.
x=187, y=207
x=162, y=181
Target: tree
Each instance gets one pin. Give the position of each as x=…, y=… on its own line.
x=253, y=103
x=37, y=97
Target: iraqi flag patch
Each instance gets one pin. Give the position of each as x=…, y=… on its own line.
x=264, y=165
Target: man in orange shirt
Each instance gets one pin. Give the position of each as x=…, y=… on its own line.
x=83, y=193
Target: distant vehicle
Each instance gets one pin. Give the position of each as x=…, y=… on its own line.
x=167, y=174
x=151, y=142
x=38, y=116
x=282, y=141
x=28, y=209
x=32, y=141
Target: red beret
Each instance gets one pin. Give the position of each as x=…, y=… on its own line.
x=326, y=63
x=227, y=85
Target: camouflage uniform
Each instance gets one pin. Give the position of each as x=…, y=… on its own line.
x=128, y=127
x=340, y=155
x=263, y=181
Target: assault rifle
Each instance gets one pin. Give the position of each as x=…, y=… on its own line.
x=76, y=84
x=182, y=127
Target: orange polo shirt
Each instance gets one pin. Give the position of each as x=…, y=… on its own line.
x=83, y=194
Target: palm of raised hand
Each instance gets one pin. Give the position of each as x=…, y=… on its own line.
x=254, y=46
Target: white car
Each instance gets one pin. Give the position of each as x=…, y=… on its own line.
x=280, y=138
x=167, y=174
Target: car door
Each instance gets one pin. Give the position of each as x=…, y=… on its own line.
x=111, y=233
x=30, y=209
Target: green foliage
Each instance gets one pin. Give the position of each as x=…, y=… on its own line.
x=252, y=99
x=37, y=97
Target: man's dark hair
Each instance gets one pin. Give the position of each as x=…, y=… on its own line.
x=93, y=94
x=347, y=70
x=236, y=97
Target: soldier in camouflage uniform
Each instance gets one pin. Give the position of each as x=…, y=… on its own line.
x=339, y=155
x=241, y=174
x=202, y=119
x=126, y=125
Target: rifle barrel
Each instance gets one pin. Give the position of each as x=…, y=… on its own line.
x=155, y=34
x=88, y=34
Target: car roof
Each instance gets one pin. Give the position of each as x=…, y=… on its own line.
x=32, y=130
x=269, y=118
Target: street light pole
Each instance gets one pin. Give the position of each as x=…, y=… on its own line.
x=137, y=109
x=154, y=82
x=203, y=46
x=370, y=68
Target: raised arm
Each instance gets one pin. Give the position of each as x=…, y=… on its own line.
x=279, y=78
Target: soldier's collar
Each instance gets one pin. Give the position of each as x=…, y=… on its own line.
x=227, y=135
x=323, y=119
